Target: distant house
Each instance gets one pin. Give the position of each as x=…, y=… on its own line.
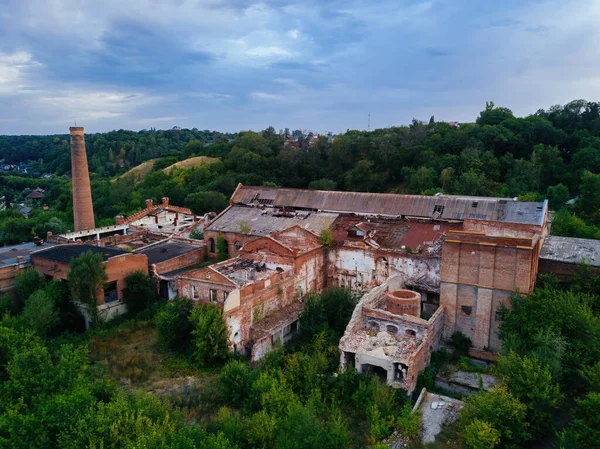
x=37, y=194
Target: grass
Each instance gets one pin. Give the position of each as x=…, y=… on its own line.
x=191, y=162
x=132, y=354
x=138, y=172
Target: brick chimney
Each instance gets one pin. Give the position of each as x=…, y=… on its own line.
x=120, y=219
x=149, y=204
x=83, y=208
x=165, y=201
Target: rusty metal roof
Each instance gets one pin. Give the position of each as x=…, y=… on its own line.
x=442, y=207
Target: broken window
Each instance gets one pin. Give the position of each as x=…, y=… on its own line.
x=213, y=295
x=438, y=209
x=467, y=310
x=211, y=245
x=373, y=325
x=225, y=295
x=410, y=333
x=392, y=329
x=195, y=293
x=475, y=204
x=237, y=246
x=499, y=315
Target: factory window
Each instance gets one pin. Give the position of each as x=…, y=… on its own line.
x=392, y=329
x=237, y=246
x=410, y=333
x=467, y=310
x=475, y=204
x=195, y=293
x=211, y=245
x=225, y=295
x=213, y=295
x=438, y=209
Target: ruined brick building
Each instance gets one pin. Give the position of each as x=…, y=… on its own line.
x=260, y=290
x=464, y=253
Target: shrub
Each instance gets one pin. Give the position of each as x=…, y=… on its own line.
x=461, y=344
x=326, y=238
x=25, y=285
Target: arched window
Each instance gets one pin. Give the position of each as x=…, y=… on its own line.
x=237, y=246
x=211, y=245
x=373, y=325
x=392, y=329
x=410, y=333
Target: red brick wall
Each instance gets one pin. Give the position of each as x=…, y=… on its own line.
x=117, y=268
x=478, y=273
x=183, y=261
x=8, y=275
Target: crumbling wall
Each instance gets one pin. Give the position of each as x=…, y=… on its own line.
x=362, y=269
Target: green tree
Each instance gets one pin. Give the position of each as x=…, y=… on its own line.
x=322, y=184
x=480, y=435
x=584, y=431
x=139, y=292
x=557, y=196
x=25, y=285
x=222, y=248
x=40, y=313
x=86, y=278
x=209, y=343
x=173, y=325
x=532, y=384
x=502, y=411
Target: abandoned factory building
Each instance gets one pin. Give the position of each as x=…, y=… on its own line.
x=457, y=258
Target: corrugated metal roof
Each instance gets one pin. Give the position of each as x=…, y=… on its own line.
x=263, y=222
x=437, y=207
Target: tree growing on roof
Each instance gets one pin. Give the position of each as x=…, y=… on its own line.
x=222, y=249
x=326, y=238
x=87, y=274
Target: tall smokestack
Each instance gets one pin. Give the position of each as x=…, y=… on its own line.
x=83, y=210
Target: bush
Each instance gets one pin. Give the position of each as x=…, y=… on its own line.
x=222, y=248
x=139, y=293
x=209, y=344
x=461, y=344
x=173, y=325
x=480, y=435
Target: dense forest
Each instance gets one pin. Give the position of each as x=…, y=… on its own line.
x=553, y=154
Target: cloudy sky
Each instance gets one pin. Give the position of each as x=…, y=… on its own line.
x=311, y=64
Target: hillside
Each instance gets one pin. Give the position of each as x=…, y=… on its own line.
x=138, y=172
x=191, y=162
